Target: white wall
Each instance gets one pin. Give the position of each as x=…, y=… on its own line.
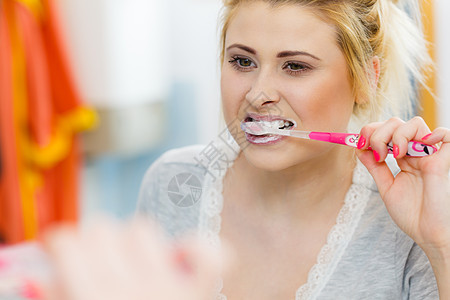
x=129, y=52
x=442, y=10
x=119, y=49
x=195, y=56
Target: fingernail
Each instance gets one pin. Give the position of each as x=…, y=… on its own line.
x=31, y=291
x=426, y=137
x=3, y=264
x=376, y=155
x=395, y=151
x=361, y=141
x=181, y=260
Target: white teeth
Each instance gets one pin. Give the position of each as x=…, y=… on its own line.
x=272, y=124
x=277, y=124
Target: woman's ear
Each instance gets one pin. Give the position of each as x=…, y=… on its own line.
x=376, y=71
x=374, y=77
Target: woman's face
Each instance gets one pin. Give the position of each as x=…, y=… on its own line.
x=284, y=63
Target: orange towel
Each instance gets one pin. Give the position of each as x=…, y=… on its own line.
x=41, y=112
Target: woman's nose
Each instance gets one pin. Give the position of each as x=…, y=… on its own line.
x=263, y=91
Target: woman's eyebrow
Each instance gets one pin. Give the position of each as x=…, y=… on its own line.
x=279, y=55
x=294, y=53
x=243, y=47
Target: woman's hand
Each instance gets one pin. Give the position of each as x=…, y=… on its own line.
x=133, y=261
x=418, y=198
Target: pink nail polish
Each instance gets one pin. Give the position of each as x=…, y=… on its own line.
x=426, y=137
x=181, y=260
x=361, y=141
x=31, y=291
x=376, y=155
x=395, y=151
x=3, y=264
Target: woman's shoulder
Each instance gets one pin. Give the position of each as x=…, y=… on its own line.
x=203, y=161
x=179, y=158
x=171, y=190
x=183, y=155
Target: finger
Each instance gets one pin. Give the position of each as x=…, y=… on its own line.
x=69, y=263
x=105, y=251
x=203, y=263
x=51, y=292
x=148, y=250
x=414, y=129
x=440, y=135
x=379, y=170
x=365, y=134
x=382, y=136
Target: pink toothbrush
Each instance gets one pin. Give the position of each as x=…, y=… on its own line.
x=415, y=149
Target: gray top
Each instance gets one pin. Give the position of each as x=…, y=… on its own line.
x=366, y=256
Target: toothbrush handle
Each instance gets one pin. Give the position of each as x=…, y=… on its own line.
x=415, y=148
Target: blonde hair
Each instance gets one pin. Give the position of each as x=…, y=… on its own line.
x=388, y=29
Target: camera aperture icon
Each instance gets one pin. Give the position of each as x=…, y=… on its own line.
x=184, y=190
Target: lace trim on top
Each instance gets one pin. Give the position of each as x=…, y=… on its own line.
x=337, y=240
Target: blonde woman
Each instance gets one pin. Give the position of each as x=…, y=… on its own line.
x=307, y=219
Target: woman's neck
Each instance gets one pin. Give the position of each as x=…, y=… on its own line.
x=301, y=191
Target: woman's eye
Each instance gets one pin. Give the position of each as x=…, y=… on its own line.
x=242, y=63
x=296, y=68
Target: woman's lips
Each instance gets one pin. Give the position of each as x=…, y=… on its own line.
x=263, y=139
x=268, y=118
x=269, y=138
